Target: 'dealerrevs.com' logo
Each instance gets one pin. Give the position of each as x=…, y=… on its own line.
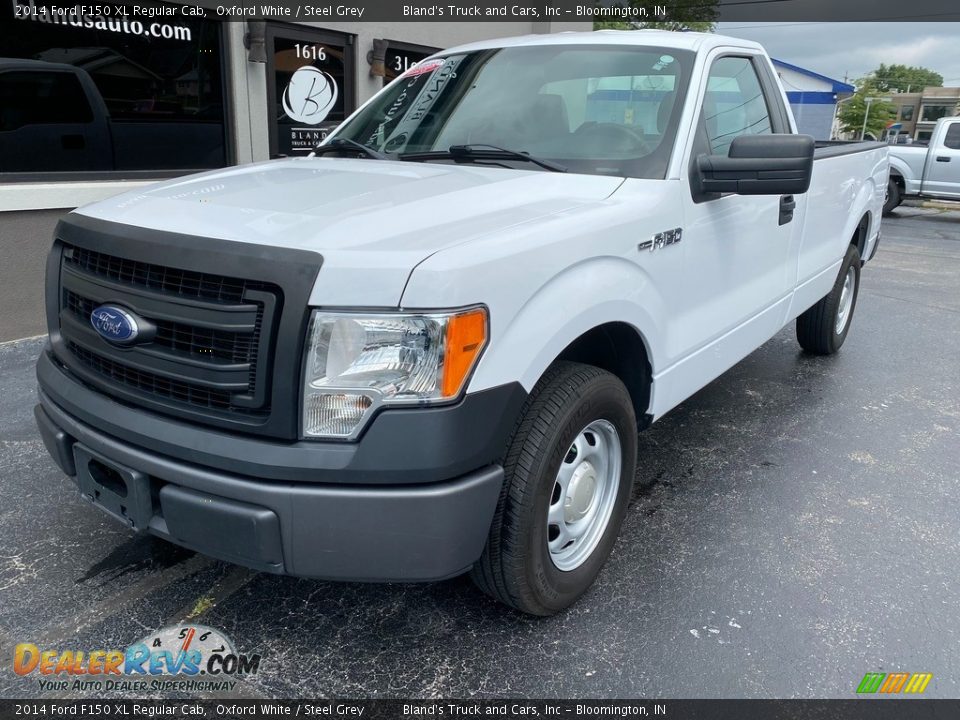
x=188, y=657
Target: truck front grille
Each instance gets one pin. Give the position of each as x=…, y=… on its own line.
x=151, y=384
x=184, y=283
x=187, y=339
x=212, y=341
x=223, y=321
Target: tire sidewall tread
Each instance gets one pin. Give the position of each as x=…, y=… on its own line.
x=516, y=567
x=816, y=328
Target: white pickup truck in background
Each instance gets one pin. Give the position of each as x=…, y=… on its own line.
x=929, y=171
x=429, y=349
x=57, y=106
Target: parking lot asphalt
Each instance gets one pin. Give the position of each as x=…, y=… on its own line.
x=795, y=525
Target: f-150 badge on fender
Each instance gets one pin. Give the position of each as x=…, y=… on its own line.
x=670, y=237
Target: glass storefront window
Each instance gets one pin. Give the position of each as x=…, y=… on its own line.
x=87, y=92
x=932, y=113
x=311, y=86
x=400, y=57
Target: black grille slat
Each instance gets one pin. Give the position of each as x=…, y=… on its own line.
x=202, y=342
x=194, y=341
x=183, y=283
x=152, y=384
x=188, y=306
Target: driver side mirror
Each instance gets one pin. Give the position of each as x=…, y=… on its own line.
x=777, y=164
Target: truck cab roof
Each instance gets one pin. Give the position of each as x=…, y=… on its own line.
x=657, y=38
x=19, y=64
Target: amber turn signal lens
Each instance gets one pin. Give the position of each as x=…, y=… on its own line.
x=465, y=339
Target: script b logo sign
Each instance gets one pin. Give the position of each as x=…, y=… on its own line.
x=310, y=96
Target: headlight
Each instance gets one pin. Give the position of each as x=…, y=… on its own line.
x=357, y=362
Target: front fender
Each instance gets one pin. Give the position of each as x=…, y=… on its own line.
x=868, y=201
x=593, y=292
x=899, y=167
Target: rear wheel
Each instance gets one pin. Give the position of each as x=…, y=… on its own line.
x=568, y=473
x=822, y=329
x=894, y=197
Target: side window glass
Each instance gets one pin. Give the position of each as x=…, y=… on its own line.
x=36, y=98
x=733, y=104
x=952, y=140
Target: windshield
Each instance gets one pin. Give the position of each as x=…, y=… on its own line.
x=602, y=110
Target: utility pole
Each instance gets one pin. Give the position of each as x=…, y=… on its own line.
x=834, y=127
x=866, y=114
x=863, y=132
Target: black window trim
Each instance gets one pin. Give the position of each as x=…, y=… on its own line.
x=779, y=120
x=778, y=115
x=229, y=141
x=954, y=129
x=310, y=34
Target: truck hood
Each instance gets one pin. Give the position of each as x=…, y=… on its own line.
x=372, y=221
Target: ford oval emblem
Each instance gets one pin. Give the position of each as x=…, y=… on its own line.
x=114, y=324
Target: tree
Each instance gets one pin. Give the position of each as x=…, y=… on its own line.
x=852, y=111
x=904, y=78
x=695, y=15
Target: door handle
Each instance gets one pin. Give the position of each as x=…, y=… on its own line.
x=788, y=204
x=943, y=158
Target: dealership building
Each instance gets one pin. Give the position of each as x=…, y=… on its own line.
x=813, y=98
x=157, y=96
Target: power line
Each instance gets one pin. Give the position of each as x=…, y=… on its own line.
x=760, y=26
x=750, y=2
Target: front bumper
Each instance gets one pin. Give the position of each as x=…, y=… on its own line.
x=399, y=521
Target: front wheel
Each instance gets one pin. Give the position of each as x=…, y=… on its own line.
x=568, y=473
x=822, y=329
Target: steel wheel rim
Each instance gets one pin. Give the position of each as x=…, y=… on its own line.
x=584, y=494
x=846, y=300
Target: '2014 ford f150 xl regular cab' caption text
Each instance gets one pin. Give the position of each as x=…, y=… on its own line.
x=428, y=348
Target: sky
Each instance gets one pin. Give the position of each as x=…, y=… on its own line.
x=836, y=49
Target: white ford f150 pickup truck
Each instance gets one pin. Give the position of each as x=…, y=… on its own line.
x=429, y=349
x=931, y=171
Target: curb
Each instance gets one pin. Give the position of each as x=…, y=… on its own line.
x=932, y=204
x=940, y=205
x=20, y=340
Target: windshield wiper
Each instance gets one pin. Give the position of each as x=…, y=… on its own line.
x=482, y=152
x=346, y=145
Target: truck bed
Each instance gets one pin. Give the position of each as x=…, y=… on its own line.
x=834, y=148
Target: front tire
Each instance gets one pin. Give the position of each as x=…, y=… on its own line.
x=567, y=478
x=822, y=329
